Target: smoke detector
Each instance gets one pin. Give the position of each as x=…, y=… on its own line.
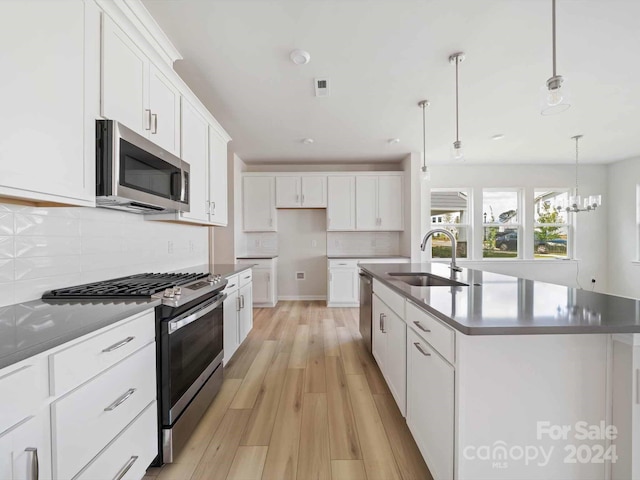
x=299, y=57
x=322, y=87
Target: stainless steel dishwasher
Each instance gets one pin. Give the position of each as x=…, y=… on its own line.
x=366, y=290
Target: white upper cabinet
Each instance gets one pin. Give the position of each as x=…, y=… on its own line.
x=195, y=137
x=379, y=201
x=341, y=203
x=135, y=92
x=366, y=203
x=125, y=79
x=218, y=213
x=301, y=192
x=288, y=192
x=50, y=89
x=164, y=104
x=259, y=204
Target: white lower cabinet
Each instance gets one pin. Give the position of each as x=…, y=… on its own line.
x=343, y=287
x=231, y=321
x=25, y=450
x=264, y=273
x=430, y=405
x=246, y=310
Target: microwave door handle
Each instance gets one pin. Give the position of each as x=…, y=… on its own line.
x=183, y=186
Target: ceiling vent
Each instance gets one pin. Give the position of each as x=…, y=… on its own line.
x=322, y=87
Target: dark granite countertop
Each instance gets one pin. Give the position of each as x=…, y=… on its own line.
x=364, y=257
x=495, y=304
x=30, y=328
x=256, y=257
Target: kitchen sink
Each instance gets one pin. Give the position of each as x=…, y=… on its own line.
x=425, y=280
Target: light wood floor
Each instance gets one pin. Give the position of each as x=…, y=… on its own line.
x=302, y=400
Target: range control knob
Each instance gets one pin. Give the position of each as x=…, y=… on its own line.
x=177, y=291
x=218, y=278
x=211, y=279
x=169, y=293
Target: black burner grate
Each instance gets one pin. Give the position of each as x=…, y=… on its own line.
x=134, y=286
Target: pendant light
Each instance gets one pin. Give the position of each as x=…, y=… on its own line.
x=576, y=204
x=456, y=151
x=554, y=96
x=426, y=174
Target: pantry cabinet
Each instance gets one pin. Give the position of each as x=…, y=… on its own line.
x=379, y=201
x=301, y=191
x=259, y=204
x=341, y=203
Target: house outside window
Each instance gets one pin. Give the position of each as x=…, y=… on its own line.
x=450, y=210
x=501, y=223
x=552, y=228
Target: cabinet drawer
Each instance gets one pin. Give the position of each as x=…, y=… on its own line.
x=233, y=283
x=129, y=455
x=87, y=419
x=245, y=277
x=24, y=388
x=439, y=336
x=393, y=300
x=85, y=360
x=348, y=263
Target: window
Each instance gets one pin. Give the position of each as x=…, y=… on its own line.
x=501, y=223
x=450, y=210
x=551, y=229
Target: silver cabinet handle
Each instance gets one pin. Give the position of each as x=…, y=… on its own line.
x=154, y=116
x=297, y=198
x=421, y=327
x=120, y=400
x=238, y=307
x=34, y=467
x=208, y=207
x=148, y=119
x=242, y=296
x=247, y=277
x=127, y=466
x=382, y=317
x=118, y=345
x=231, y=286
x=213, y=207
x=421, y=350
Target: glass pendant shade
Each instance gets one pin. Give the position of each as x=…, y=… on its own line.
x=554, y=96
x=456, y=151
x=425, y=173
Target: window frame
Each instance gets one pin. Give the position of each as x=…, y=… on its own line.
x=519, y=226
x=468, y=225
x=569, y=225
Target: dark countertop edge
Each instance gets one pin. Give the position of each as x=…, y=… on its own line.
x=50, y=344
x=240, y=268
x=257, y=257
x=365, y=257
x=504, y=330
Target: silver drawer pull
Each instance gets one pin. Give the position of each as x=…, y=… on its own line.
x=34, y=467
x=421, y=350
x=123, y=471
x=419, y=325
x=247, y=277
x=120, y=400
x=118, y=345
x=231, y=286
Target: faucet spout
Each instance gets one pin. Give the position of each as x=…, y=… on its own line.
x=430, y=233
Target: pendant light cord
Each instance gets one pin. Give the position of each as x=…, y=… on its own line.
x=577, y=140
x=553, y=35
x=424, y=135
x=457, y=111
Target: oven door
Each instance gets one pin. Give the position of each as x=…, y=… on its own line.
x=191, y=351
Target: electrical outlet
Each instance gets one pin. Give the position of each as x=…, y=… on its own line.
x=169, y=247
x=314, y=243
x=192, y=247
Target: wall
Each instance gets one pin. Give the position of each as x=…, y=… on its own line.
x=623, y=212
x=410, y=237
x=302, y=245
x=363, y=243
x=591, y=228
x=47, y=248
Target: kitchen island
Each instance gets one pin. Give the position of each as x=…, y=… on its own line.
x=508, y=378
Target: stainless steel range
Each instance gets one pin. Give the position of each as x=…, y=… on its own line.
x=189, y=340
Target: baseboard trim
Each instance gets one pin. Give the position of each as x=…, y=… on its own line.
x=342, y=305
x=302, y=297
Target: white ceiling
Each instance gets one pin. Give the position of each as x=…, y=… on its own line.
x=382, y=57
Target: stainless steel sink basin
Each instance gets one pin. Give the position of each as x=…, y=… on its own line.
x=425, y=280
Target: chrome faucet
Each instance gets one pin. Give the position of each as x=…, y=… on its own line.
x=454, y=268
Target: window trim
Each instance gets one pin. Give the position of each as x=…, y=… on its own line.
x=569, y=225
x=519, y=226
x=468, y=225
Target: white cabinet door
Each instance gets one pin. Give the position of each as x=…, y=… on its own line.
x=378, y=337
x=231, y=327
x=314, y=192
x=343, y=284
x=390, y=201
x=195, y=139
x=288, y=192
x=49, y=101
x=125, y=79
x=259, y=204
x=262, y=286
x=218, y=179
x=22, y=445
x=395, y=362
x=164, y=103
x=246, y=311
x=367, y=203
x=430, y=405
x=341, y=203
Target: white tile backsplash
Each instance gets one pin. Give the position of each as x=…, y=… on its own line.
x=46, y=248
x=262, y=243
x=363, y=243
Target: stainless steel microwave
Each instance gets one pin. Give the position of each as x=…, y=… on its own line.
x=136, y=175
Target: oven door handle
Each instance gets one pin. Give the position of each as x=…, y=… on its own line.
x=177, y=324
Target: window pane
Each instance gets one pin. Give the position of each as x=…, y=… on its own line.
x=500, y=242
x=545, y=203
x=449, y=207
x=550, y=242
x=441, y=245
x=499, y=207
